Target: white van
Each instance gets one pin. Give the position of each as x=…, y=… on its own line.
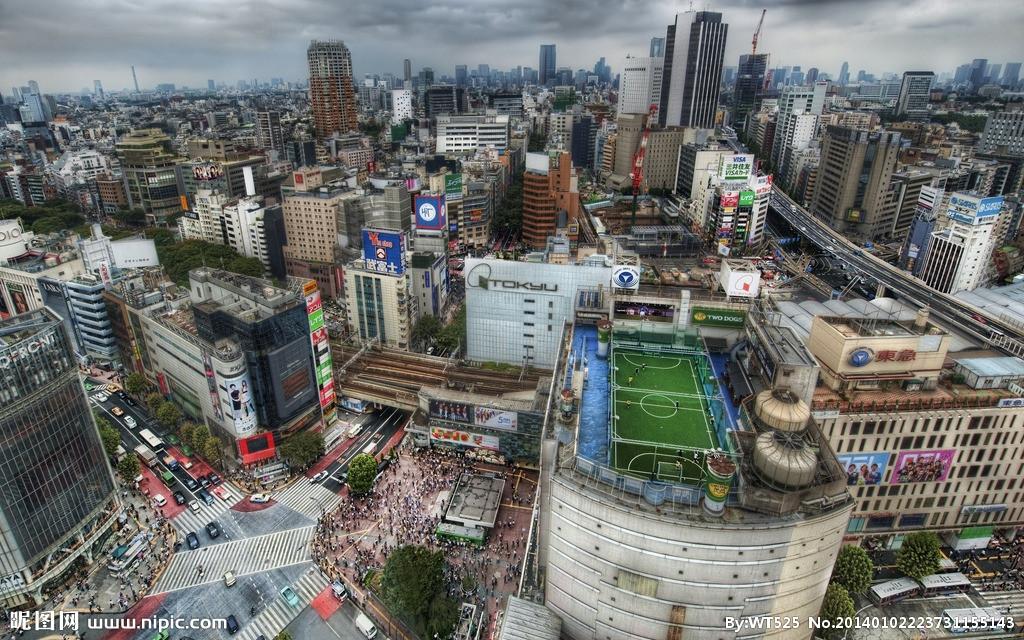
x=366, y=627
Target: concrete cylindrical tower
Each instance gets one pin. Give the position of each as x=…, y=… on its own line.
x=720, y=472
x=604, y=336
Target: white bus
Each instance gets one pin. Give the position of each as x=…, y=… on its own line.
x=943, y=583
x=975, y=619
x=154, y=442
x=130, y=557
x=893, y=591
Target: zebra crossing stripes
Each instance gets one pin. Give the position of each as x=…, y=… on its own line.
x=308, y=499
x=188, y=520
x=250, y=555
x=279, y=614
x=1012, y=602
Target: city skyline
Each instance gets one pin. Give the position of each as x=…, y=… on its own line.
x=194, y=43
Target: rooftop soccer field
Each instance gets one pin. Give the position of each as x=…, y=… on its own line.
x=661, y=421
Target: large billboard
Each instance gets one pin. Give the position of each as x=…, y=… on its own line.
x=746, y=198
x=973, y=210
x=730, y=199
x=644, y=311
x=864, y=468
x=209, y=171
x=495, y=418
x=451, y=411
x=431, y=214
x=626, y=276
x=453, y=187
x=384, y=251
x=243, y=410
x=134, y=252
x=727, y=318
x=922, y=466
x=291, y=378
x=19, y=301
x=320, y=341
x=736, y=167
x=464, y=438
x=738, y=283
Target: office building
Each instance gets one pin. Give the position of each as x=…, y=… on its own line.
x=458, y=134
x=407, y=71
x=582, y=137
x=98, y=89
x=796, y=121
x=640, y=85
x=657, y=48
x=692, y=72
x=256, y=231
x=461, y=75
x=546, y=70
x=508, y=104
x=976, y=74
x=958, y=255
x=445, y=99
x=59, y=499
x=1011, y=75
x=908, y=185
x=268, y=130
x=854, y=191
x=732, y=206
x=749, y=87
x=331, y=92
x=550, y=190
x=912, y=103
x=312, y=218
x=149, y=170
x=401, y=106
x=1004, y=133
x=381, y=306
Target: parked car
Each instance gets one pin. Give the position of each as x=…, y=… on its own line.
x=203, y=481
x=232, y=625
x=339, y=590
x=290, y=596
x=213, y=478
x=192, y=540
x=179, y=497
x=212, y=529
x=259, y=498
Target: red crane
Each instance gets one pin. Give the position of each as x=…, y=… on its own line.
x=637, y=174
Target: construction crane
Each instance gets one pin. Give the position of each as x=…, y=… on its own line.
x=757, y=32
x=753, y=52
x=637, y=174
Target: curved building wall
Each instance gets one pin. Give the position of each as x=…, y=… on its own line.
x=55, y=481
x=615, y=571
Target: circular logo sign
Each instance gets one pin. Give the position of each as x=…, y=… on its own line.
x=700, y=316
x=861, y=357
x=428, y=212
x=717, y=490
x=381, y=253
x=625, y=277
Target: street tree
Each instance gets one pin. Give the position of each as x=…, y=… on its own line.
x=919, y=555
x=413, y=586
x=153, y=401
x=361, y=472
x=200, y=434
x=213, y=449
x=284, y=635
x=425, y=331
x=128, y=467
x=837, y=604
x=186, y=430
x=168, y=415
x=135, y=383
x=302, y=449
x=853, y=569
x=111, y=439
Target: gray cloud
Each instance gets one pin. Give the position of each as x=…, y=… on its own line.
x=65, y=44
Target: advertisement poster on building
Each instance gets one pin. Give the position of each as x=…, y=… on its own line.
x=451, y=411
x=384, y=251
x=243, y=411
x=431, y=214
x=206, y=172
x=864, y=468
x=495, y=418
x=19, y=301
x=922, y=466
x=211, y=382
x=736, y=167
x=453, y=187
x=746, y=198
x=718, y=317
x=320, y=341
x=644, y=311
x=730, y=199
x=464, y=438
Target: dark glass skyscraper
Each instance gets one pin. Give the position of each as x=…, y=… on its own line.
x=694, y=50
x=56, y=488
x=749, y=84
x=547, y=64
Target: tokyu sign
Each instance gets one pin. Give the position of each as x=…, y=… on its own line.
x=728, y=318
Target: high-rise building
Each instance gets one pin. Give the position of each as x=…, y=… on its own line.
x=1004, y=133
x=976, y=74
x=844, y=74
x=58, y=498
x=694, y=49
x=312, y=218
x=445, y=99
x=547, y=64
x=959, y=255
x=993, y=72
x=381, y=306
x=471, y=132
x=1011, y=75
x=211, y=85
x=812, y=76
x=331, y=93
x=640, y=85
x=549, y=186
x=149, y=170
x=407, y=70
x=854, y=192
x=461, y=75
x=915, y=90
x=796, y=122
x=657, y=48
x=135, y=79
x=749, y=87
x=401, y=106
x=98, y=88
x=268, y=130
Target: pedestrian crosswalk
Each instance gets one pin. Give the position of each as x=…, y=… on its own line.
x=1009, y=602
x=279, y=614
x=242, y=557
x=189, y=520
x=307, y=498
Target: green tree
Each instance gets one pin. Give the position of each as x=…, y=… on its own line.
x=425, y=331
x=200, y=434
x=154, y=401
x=853, y=569
x=919, y=555
x=135, y=383
x=179, y=258
x=186, y=431
x=132, y=217
x=111, y=439
x=168, y=415
x=413, y=586
x=284, y=635
x=836, y=604
x=128, y=467
x=453, y=334
x=213, y=449
x=361, y=472
x=303, y=448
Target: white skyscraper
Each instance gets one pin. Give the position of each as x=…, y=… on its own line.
x=640, y=86
x=959, y=256
x=791, y=130
x=401, y=106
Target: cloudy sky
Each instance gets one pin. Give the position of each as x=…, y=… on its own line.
x=66, y=44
